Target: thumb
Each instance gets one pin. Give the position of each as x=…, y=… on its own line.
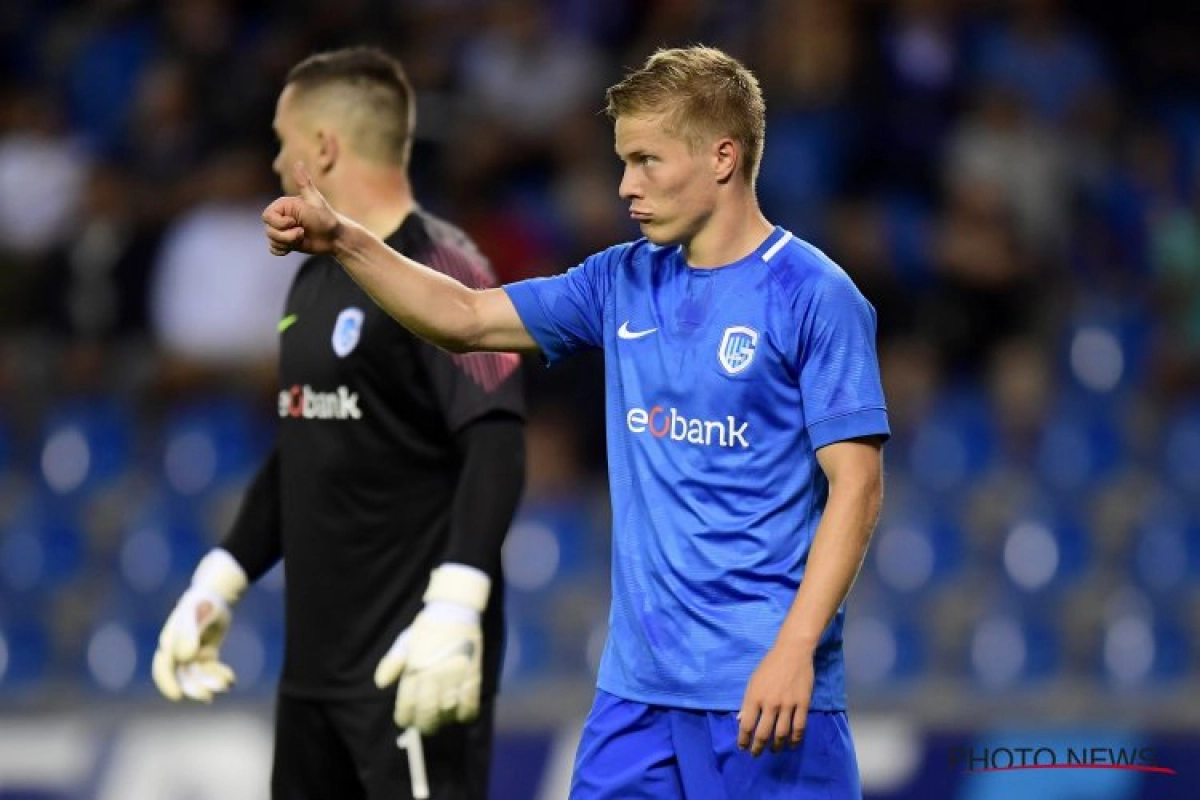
x=393, y=662
x=182, y=637
x=303, y=180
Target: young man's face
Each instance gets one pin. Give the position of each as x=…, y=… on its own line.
x=670, y=189
x=297, y=141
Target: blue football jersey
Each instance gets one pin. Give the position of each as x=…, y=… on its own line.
x=721, y=385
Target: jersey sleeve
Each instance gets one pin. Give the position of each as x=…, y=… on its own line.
x=839, y=369
x=254, y=540
x=565, y=313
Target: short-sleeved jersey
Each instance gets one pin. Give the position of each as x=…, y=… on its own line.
x=721, y=386
x=368, y=463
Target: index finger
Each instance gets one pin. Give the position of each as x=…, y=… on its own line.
x=747, y=720
x=278, y=214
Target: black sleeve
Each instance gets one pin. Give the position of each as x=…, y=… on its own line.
x=492, y=449
x=254, y=540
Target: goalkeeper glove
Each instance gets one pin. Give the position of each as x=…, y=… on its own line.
x=186, y=662
x=439, y=658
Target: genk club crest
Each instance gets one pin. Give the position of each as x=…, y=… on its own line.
x=737, y=348
x=347, y=330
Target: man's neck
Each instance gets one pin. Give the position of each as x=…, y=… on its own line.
x=728, y=236
x=379, y=201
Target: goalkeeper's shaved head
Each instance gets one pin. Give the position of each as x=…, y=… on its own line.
x=365, y=94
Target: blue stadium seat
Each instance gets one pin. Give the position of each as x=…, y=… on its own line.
x=1045, y=548
x=526, y=652
x=1105, y=349
x=550, y=542
x=1011, y=650
x=1080, y=446
x=803, y=166
x=160, y=549
x=6, y=447
x=42, y=550
x=118, y=654
x=208, y=442
x=1144, y=651
x=884, y=649
x=955, y=444
x=916, y=551
x=1181, y=450
x=24, y=654
x=84, y=445
x=1164, y=561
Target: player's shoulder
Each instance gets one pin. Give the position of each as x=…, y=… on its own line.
x=444, y=246
x=804, y=273
x=621, y=253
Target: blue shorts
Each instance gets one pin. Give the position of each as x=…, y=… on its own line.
x=632, y=750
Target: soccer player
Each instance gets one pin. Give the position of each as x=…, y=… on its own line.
x=745, y=426
x=393, y=480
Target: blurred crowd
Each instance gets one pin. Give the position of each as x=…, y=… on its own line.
x=1015, y=186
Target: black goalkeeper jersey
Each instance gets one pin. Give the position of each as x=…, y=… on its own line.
x=359, y=490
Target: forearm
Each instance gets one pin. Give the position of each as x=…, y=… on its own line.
x=432, y=305
x=489, y=489
x=254, y=540
x=837, y=553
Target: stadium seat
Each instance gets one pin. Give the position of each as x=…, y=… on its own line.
x=1080, y=446
x=917, y=544
x=549, y=543
x=1045, y=548
x=24, y=654
x=40, y=551
x=84, y=444
x=1010, y=650
x=1144, y=650
x=1105, y=349
x=160, y=549
x=884, y=649
x=118, y=655
x=208, y=442
x=6, y=447
x=954, y=444
x=908, y=227
x=1181, y=450
x=526, y=652
x=1164, y=561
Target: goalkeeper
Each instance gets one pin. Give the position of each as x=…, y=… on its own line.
x=394, y=477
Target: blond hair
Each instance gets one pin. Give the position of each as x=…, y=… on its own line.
x=705, y=93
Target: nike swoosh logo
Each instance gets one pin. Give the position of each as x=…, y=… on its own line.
x=625, y=333
x=287, y=322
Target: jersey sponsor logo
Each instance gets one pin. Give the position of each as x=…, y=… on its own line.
x=668, y=423
x=737, y=348
x=624, y=332
x=347, y=330
x=304, y=402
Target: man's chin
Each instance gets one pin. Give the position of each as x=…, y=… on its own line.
x=655, y=233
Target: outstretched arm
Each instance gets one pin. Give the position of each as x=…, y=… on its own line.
x=431, y=305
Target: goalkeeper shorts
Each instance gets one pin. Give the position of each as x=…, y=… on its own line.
x=631, y=750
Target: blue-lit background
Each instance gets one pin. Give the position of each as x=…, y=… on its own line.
x=1015, y=185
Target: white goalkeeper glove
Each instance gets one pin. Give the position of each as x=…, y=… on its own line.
x=186, y=663
x=439, y=658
